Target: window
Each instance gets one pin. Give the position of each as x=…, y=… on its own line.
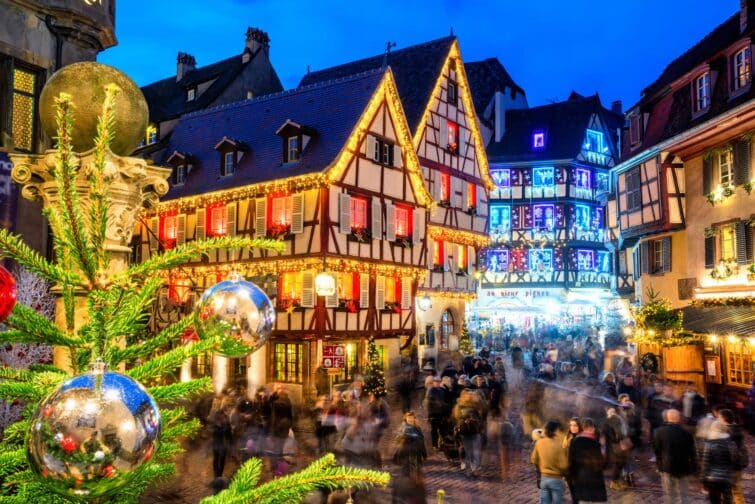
x=604, y=262
x=23, y=104
x=289, y=290
x=541, y=260
x=358, y=214
x=702, y=92
x=217, y=223
x=168, y=230
x=471, y=196
x=151, y=134
x=292, y=149
x=601, y=182
x=453, y=93
x=542, y=176
x=281, y=215
x=739, y=357
x=498, y=260
x=635, y=129
x=383, y=153
x=583, y=178
x=728, y=244
x=538, y=140
x=446, y=328
x=348, y=286
x=543, y=217
x=740, y=69
x=585, y=260
x=634, y=195
x=202, y=365
x=191, y=94
x=445, y=188
x=597, y=218
x=227, y=166
x=725, y=167
x=453, y=137
x=392, y=290
x=439, y=255
x=180, y=175
x=582, y=218
x=594, y=141
x=656, y=256
x=502, y=178
x=500, y=218
x=403, y=222
x=462, y=257
x=289, y=362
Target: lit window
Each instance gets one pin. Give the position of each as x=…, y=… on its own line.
x=228, y=164
x=358, y=213
x=741, y=69
x=502, y=178
x=282, y=211
x=438, y=254
x=453, y=93
x=538, y=139
x=289, y=289
x=739, y=363
x=471, y=196
x=151, y=134
x=604, y=262
x=585, y=260
x=500, y=218
x=191, y=94
x=543, y=217
x=725, y=167
x=498, y=260
x=289, y=362
x=180, y=174
x=168, y=230
x=216, y=220
x=446, y=328
x=293, y=149
x=594, y=141
x=541, y=260
x=445, y=187
x=24, y=103
x=582, y=217
x=728, y=243
x=403, y=222
x=702, y=92
x=601, y=181
x=453, y=137
x=462, y=257
x=392, y=289
x=542, y=176
x=597, y=219
x=656, y=256
x=583, y=178
x=348, y=286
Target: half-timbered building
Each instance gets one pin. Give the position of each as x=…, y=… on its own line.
x=684, y=200
x=548, y=259
x=434, y=91
x=329, y=169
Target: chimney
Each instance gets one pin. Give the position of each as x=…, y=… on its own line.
x=256, y=40
x=185, y=63
x=616, y=107
x=746, y=8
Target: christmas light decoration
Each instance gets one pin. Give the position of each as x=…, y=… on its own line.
x=458, y=236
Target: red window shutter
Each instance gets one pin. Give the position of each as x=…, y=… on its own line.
x=355, y=286
x=397, y=290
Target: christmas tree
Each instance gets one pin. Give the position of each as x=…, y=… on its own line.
x=374, y=378
x=101, y=308
x=465, y=343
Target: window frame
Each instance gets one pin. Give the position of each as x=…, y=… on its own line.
x=365, y=202
x=447, y=328
x=168, y=242
x=288, y=212
x=409, y=212
x=499, y=254
x=452, y=98
x=384, y=152
x=543, y=170
x=462, y=260
x=583, y=253
x=586, y=178
x=293, y=155
x=538, y=139
x=452, y=133
x=289, y=289
x=739, y=368
x=471, y=197
x=7, y=116
x=727, y=242
x=633, y=194
x=597, y=135
x=191, y=94
x=740, y=80
x=179, y=177
x=635, y=129
x=227, y=170
x=540, y=253
x=284, y=374
x=701, y=94
x=728, y=155
x=439, y=255
x=210, y=215
x=507, y=178
x=445, y=188
x=544, y=218
x=497, y=209
x=586, y=211
x=655, y=266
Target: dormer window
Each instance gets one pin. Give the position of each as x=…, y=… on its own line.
x=292, y=151
x=181, y=162
x=295, y=138
x=740, y=69
x=180, y=174
x=151, y=134
x=594, y=142
x=228, y=165
x=231, y=152
x=191, y=94
x=538, y=140
x=701, y=89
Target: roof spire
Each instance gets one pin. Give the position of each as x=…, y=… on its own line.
x=452, y=31
x=388, y=46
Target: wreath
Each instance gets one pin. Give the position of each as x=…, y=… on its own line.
x=649, y=363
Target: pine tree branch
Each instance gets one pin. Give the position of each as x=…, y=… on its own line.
x=181, y=390
x=15, y=433
x=183, y=253
x=247, y=476
x=40, y=329
x=14, y=247
x=11, y=461
x=116, y=355
x=132, y=308
x=10, y=391
x=15, y=374
x=170, y=360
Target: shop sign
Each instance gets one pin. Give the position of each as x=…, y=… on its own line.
x=333, y=356
x=520, y=293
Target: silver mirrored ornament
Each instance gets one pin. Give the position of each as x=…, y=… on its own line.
x=238, y=313
x=92, y=432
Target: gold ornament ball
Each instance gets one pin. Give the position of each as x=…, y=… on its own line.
x=86, y=82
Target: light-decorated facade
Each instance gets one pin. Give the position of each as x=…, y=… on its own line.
x=330, y=170
x=548, y=263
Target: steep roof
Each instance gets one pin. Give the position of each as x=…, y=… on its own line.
x=415, y=68
x=564, y=124
x=485, y=78
x=332, y=109
x=167, y=97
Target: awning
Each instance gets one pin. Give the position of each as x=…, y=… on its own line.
x=720, y=319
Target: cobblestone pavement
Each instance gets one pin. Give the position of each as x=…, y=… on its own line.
x=194, y=473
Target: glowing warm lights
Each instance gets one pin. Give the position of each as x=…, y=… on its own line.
x=425, y=303
x=713, y=338
x=731, y=339
x=457, y=236
x=325, y=284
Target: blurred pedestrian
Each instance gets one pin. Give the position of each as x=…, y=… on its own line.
x=409, y=452
x=675, y=455
x=550, y=458
x=468, y=415
x=726, y=416
x=719, y=462
x=615, y=433
x=586, y=463
x=221, y=442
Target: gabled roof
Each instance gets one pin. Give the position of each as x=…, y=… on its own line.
x=415, y=68
x=332, y=108
x=167, y=97
x=485, y=78
x=564, y=124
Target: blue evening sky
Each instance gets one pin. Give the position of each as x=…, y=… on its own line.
x=615, y=47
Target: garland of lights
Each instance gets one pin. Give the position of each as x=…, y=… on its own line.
x=457, y=295
x=457, y=236
x=727, y=301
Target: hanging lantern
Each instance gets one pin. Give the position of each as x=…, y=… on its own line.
x=325, y=284
x=7, y=293
x=179, y=289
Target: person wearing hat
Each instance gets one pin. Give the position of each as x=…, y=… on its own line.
x=437, y=408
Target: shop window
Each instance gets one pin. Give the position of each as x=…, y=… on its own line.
x=502, y=178
x=446, y=328
x=289, y=362
x=202, y=365
x=739, y=362
x=498, y=260
x=542, y=176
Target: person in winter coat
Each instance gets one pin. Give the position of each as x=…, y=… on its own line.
x=675, y=455
x=438, y=408
x=719, y=462
x=468, y=417
x=550, y=458
x=410, y=451
x=727, y=417
x=586, y=464
x=282, y=419
x=614, y=431
x=573, y=430
x=221, y=442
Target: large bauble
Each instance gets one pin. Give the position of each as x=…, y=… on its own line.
x=238, y=313
x=92, y=432
x=7, y=293
x=85, y=82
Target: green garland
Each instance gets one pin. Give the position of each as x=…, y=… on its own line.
x=729, y=301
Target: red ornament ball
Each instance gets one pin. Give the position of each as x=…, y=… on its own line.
x=7, y=293
x=68, y=444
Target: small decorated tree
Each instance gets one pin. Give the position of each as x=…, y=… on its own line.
x=465, y=343
x=659, y=323
x=374, y=377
